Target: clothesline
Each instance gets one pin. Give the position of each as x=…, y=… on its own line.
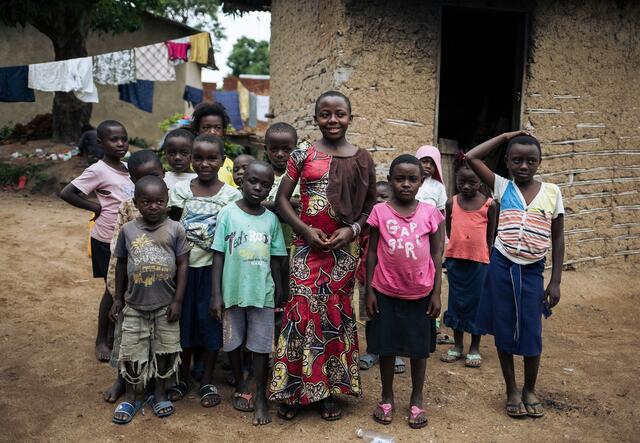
x=155, y=62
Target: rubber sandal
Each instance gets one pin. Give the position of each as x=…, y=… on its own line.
x=515, y=411
x=328, y=408
x=473, y=361
x=444, y=339
x=179, y=390
x=126, y=408
x=287, y=412
x=399, y=366
x=367, y=361
x=531, y=407
x=451, y=355
x=414, y=413
x=209, y=391
x=248, y=396
x=166, y=404
x=387, y=412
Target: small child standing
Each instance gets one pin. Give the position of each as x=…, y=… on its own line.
x=470, y=222
x=140, y=164
x=151, y=277
x=110, y=181
x=240, y=164
x=196, y=204
x=432, y=190
x=248, y=243
x=404, y=271
x=178, y=147
x=514, y=298
x=367, y=360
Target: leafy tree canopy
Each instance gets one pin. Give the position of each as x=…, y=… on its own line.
x=249, y=56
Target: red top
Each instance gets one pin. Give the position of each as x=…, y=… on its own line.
x=468, y=238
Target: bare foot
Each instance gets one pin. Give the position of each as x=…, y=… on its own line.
x=103, y=352
x=261, y=414
x=115, y=391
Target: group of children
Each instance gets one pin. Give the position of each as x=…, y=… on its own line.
x=234, y=253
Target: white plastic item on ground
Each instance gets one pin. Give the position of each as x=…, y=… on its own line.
x=374, y=436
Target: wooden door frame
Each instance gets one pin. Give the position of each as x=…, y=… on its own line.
x=525, y=55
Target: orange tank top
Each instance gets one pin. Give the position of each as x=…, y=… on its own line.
x=468, y=238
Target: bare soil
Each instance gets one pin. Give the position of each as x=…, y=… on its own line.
x=52, y=385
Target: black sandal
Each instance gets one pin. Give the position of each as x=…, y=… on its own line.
x=287, y=412
x=329, y=410
x=177, y=391
x=209, y=391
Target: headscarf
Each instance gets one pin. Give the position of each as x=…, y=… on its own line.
x=434, y=153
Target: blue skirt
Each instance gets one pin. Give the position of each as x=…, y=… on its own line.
x=197, y=327
x=466, y=279
x=511, y=305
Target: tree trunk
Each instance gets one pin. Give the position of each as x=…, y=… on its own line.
x=68, y=29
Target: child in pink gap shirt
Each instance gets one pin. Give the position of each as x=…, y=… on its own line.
x=109, y=179
x=404, y=272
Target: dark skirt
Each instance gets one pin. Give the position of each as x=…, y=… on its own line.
x=466, y=279
x=401, y=328
x=197, y=327
x=511, y=305
x=100, y=255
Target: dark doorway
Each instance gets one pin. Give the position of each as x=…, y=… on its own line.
x=481, y=71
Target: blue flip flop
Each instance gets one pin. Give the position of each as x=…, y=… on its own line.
x=126, y=408
x=167, y=404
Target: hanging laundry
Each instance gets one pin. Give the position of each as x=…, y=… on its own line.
x=14, y=85
x=114, y=68
x=192, y=95
x=152, y=63
x=229, y=100
x=262, y=103
x=243, y=101
x=253, y=110
x=75, y=75
x=178, y=52
x=200, y=44
x=139, y=94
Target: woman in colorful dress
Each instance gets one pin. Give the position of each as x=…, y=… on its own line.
x=317, y=349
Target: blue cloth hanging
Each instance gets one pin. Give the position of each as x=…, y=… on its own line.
x=14, y=85
x=192, y=95
x=229, y=99
x=139, y=94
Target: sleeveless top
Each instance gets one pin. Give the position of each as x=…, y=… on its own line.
x=468, y=238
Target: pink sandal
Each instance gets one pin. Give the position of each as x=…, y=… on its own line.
x=387, y=413
x=416, y=412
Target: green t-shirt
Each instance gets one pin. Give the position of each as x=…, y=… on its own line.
x=287, y=230
x=248, y=242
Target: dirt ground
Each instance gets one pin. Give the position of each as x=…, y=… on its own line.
x=52, y=385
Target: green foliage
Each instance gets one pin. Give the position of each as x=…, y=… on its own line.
x=249, y=56
x=232, y=150
x=5, y=132
x=165, y=124
x=201, y=14
x=10, y=174
x=139, y=142
x=116, y=16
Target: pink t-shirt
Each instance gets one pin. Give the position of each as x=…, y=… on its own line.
x=405, y=268
x=112, y=187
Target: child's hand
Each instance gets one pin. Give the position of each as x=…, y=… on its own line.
x=510, y=135
x=372, y=304
x=215, y=308
x=116, y=307
x=433, y=310
x=317, y=239
x=174, y=311
x=341, y=238
x=552, y=294
x=96, y=213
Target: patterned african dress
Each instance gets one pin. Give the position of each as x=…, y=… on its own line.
x=317, y=349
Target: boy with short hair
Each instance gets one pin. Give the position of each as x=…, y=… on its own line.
x=240, y=164
x=178, y=148
x=151, y=276
x=248, y=243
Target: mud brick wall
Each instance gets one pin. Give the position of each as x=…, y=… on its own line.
x=583, y=102
x=581, y=95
